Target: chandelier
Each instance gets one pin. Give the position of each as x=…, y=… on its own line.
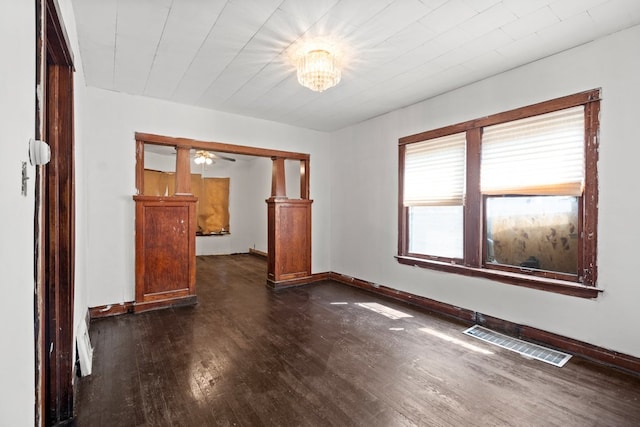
x=318, y=68
x=203, y=157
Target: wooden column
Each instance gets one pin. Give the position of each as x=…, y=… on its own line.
x=278, y=181
x=289, y=230
x=183, y=171
x=304, y=179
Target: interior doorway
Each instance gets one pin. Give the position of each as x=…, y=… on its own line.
x=55, y=220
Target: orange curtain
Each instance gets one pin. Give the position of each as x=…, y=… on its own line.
x=157, y=183
x=213, y=209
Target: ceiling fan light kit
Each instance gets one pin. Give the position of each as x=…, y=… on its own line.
x=203, y=157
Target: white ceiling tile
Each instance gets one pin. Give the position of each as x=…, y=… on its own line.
x=569, y=32
x=525, y=50
x=531, y=23
x=132, y=66
x=392, y=19
x=186, y=29
x=98, y=67
x=484, y=22
x=488, y=42
x=487, y=64
x=450, y=15
x=232, y=55
x=481, y=5
x=522, y=8
x=609, y=17
x=567, y=8
x=345, y=17
x=453, y=57
x=456, y=36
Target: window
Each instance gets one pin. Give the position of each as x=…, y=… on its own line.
x=512, y=196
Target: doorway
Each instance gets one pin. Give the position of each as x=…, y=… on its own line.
x=54, y=221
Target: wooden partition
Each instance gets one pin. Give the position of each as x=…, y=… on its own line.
x=165, y=251
x=166, y=226
x=289, y=229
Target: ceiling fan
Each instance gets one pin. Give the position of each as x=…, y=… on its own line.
x=202, y=157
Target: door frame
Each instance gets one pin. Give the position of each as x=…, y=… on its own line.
x=54, y=222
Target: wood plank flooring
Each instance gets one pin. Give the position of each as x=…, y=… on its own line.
x=310, y=356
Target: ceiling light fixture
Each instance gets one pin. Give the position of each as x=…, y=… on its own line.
x=203, y=157
x=318, y=65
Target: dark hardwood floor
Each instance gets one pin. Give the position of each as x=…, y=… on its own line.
x=248, y=356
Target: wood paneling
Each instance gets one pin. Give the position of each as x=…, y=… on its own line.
x=165, y=250
x=289, y=240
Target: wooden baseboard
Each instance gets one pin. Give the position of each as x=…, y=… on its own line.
x=429, y=304
x=581, y=349
x=316, y=277
x=140, y=307
x=257, y=253
x=110, y=310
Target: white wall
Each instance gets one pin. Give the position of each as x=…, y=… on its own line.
x=110, y=121
x=17, y=109
x=364, y=193
x=257, y=194
x=242, y=185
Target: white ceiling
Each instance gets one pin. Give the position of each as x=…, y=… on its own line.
x=231, y=55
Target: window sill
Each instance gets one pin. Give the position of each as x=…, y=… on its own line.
x=524, y=280
x=224, y=233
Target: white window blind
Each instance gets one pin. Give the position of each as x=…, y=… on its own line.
x=434, y=171
x=540, y=155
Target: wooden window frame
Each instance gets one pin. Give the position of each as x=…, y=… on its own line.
x=584, y=284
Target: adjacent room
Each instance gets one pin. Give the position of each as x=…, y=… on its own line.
x=340, y=212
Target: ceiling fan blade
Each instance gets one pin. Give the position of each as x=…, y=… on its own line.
x=221, y=157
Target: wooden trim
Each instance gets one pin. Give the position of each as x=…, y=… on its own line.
x=423, y=302
x=218, y=146
x=110, y=310
x=40, y=313
x=527, y=281
x=474, y=233
x=278, y=180
x=301, y=281
x=167, y=199
x=60, y=51
x=140, y=307
x=581, y=349
x=473, y=229
x=183, y=171
x=507, y=116
x=589, y=265
x=304, y=179
x=139, y=167
x=403, y=212
x=258, y=253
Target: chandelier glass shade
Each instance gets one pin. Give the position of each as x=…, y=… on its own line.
x=318, y=70
x=203, y=157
